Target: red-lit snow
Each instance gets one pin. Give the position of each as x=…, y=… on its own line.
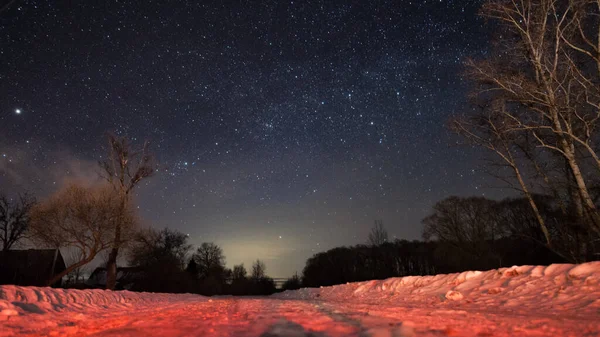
x=559, y=300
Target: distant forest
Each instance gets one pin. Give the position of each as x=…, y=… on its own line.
x=472, y=233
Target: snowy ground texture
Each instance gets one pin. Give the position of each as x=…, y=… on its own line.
x=559, y=300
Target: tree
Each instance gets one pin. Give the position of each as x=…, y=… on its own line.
x=152, y=247
x=474, y=232
x=539, y=89
x=467, y=227
x=124, y=168
x=212, y=273
x=462, y=220
x=81, y=218
x=292, y=283
x=14, y=219
x=192, y=269
x=161, y=257
x=378, y=234
x=492, y=131
x=239, y=272
x=260, y=283
x=239, y=281
x=258, y=270
x=210, y=260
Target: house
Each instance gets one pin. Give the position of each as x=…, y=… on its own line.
x=126, y=277
x=30, y=267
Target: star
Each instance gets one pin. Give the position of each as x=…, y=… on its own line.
x=18, y=111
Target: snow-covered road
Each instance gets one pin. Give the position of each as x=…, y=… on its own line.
x=276, y=317
x=560, y=300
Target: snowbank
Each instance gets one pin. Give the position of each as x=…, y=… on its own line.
x=574, y=289
x=16, y=299
x=559, y=300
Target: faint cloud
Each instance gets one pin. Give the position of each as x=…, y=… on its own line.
x=29, y=170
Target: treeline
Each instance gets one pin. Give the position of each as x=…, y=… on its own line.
x=476, y=226
x=163, y=264
x=471, y=233
x=364, y=262
x=405, y=258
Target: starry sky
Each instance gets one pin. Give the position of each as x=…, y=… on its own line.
x=281, y=128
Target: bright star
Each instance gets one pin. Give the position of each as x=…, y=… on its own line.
x=18, y=111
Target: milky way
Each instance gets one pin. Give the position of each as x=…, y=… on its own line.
x=281, y=128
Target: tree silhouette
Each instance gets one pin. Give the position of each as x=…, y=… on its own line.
x=538, y=98
x=212, y=273
x=123, y=168
x=79, y=217
x=209, y=258
x=14, y=219
x=239, y=272
x=160, y=257
x=258, y=270
x=192, y=269
x=292, y=283
x=378, y=234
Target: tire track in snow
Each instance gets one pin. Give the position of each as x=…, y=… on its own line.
x=314, y=319
x=367, y=324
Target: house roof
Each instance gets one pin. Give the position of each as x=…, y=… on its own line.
x=124, y=275
x=29, y=266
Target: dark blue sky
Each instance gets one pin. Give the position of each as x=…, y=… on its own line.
x=281, y=128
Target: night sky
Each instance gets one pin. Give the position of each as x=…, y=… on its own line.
x=281, y=128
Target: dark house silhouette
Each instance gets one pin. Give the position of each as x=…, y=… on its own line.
x=31, y=267
x=126, y=277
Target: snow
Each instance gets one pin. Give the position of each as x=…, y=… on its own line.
x=558, y=300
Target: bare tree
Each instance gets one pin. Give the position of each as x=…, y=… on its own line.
x=542, y=99
x=259, y=270
x=152, y=247
x=292, y=283
x=124, y=168
x=14, y=219
x=239, y=272
x=463, y=221
x=470, y=225
x=79, y=218
x=209, y=259
x=378, y=235
x=492, y=131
